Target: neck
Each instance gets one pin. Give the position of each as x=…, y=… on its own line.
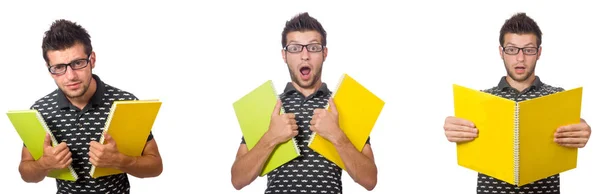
x=82, y=101
x=308, y=90
x=520, y=85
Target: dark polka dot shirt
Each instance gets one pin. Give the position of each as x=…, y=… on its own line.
x=77, y=128
x=310, y=172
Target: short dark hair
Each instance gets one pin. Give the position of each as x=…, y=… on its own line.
x=64, y=34
x=303, y=22
x=520, y=23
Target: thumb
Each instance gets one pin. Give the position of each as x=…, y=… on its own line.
x=277, y=109
x=332, y=106
x=108, y=139
x=47, y=141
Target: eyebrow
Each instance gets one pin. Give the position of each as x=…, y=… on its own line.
x=82, y=58
x=309, y=42
x=527, y=45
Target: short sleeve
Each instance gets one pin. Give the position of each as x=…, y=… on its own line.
x=150, y=137
x=368, y=140
x=243, y=141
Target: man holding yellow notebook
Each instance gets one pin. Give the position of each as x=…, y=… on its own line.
x=520, y=40
x=76, y=114
x=304, y=100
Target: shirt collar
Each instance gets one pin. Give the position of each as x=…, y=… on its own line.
x=503, y=84
x=289, y=88
x=96, y=99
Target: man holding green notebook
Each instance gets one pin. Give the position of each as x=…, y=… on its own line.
x=520, y=40
x=304, y=100
x=76, y=113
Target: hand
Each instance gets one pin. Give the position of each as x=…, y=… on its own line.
x=58, y=157
x=282, y=127
x=575, y=135
x=459, y=130
x=326, y=124
x=105, y=156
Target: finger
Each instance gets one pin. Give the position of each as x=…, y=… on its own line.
x=568, y=134
x=95, y=144
x=460, y=139
x=93, y=155
x=94, y=149
x=312, y=128
x=65, y=158
x=461, y=122
x=568, y=128
x=460, y=128
x=332, y=106
x=291, y=115
x=570, y=140
x=47, y=141
x=62, y=155
x=277, y=109
x=318, y=111
x=108, y=139
x=292, y=121
x=459, y=134
x=572, y=145
x=65, y=164
x=60, y=148
x=313, y=121
x=294, y=133
x=295, y=127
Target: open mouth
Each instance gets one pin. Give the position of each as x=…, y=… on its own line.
x=520, y=69
x=305, y=72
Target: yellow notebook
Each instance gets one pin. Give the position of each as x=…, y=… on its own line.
x=129, y=123
x=515, y=143
x=253, y=112
x=358, y=111
x=32, y=129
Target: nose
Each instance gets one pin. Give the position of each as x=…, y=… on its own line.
x=70, y=73
x=304, y=54
x=520, y=55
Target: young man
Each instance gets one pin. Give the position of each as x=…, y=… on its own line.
x=304, y=99
x=76, y=113
x=520, y=40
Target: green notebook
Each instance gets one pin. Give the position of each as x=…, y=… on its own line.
x=32, y=129
x=253, y=113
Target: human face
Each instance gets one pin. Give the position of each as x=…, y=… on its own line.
x=305, y=66
x=73, y=83
x=520, y=66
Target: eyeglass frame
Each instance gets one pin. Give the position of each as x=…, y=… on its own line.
x=70, y=64
x=521, y=49
x=304, y=46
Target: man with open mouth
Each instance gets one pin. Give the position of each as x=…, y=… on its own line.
x=520, y=40
x=304, y=99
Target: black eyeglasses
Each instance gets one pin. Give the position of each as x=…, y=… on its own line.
x=511, y=50
x=296, y=48
x=76, y=64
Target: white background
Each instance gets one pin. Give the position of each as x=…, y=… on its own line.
x=198, y=58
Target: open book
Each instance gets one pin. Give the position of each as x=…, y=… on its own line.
x=516, y=139
x=32, y=129
x=358, y=110
x=253, y=112
x=129, y=124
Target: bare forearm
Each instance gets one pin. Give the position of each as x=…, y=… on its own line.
x=360, y=167
x=247, y=167
x=142, y=166
x=32, y=171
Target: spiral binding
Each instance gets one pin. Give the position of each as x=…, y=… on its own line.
x=516, y=145
x=54, y=141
